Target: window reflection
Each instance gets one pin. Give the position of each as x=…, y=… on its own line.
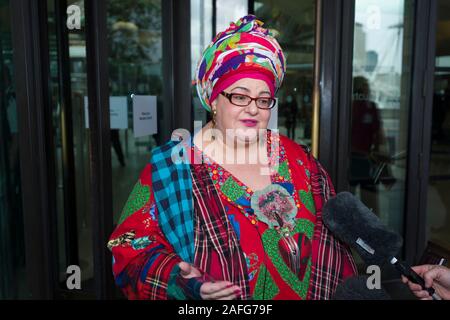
x=12, y=248
x=201, y=36
x=228, y=11
x=380, y=106
x=135, y=68
x=294, y=23
x=438, y=209
x=81, y=152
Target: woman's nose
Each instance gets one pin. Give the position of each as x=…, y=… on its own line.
x=252, y=108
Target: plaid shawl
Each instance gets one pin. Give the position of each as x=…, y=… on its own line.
x=214, y=234
x=147, y=273
x=172, y=188
x=332, y=261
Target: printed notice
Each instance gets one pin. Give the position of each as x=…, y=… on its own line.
x=118, y=112
x=144, y=116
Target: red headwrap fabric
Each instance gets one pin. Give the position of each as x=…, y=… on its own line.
x=244, y=50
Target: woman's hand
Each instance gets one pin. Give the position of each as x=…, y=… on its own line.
x=437, y=277
x=211, y=290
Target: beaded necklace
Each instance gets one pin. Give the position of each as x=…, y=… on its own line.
x=235, y=191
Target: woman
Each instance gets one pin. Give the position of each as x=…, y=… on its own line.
x=239, y=217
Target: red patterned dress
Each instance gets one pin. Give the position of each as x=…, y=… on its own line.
x=288, y=252
x=278, y=261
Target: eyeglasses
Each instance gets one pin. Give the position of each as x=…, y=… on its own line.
x=243, y=100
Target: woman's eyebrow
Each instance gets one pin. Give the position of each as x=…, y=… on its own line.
x=247, y=90
x=242, y=88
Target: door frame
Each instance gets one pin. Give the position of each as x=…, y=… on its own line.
x=31, y=62
x=37, y=158
x=34, y=115
x=336, y=93
x=420, y=130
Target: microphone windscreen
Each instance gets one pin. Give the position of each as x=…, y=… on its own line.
x=355, y=224
x=355, y=288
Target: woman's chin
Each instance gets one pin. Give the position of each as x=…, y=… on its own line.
x=244, y=136
x=247, y=136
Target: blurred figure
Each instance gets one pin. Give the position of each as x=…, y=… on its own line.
x=290, y=109
x=115, y=142
x=11, y=218
x=367, y=142
x=441, y=101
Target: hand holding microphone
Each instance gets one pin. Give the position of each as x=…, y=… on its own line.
x=355, y=224
x=434, y=276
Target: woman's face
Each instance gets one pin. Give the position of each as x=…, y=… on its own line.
x=244, y=122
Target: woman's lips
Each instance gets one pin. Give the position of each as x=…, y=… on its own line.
x=249, y=123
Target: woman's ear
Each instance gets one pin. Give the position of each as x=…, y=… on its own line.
x=214, y=105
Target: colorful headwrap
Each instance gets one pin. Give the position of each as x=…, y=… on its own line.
x=244, y=50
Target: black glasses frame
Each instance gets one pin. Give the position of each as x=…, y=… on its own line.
x=229, y=96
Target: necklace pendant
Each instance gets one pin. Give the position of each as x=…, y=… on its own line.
x=275, y=206
x=285, y=231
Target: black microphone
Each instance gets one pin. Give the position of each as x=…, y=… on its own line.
x=355, y=288
x=355, y=224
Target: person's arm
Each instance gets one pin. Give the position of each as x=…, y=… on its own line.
x=435, y=276
x=145, y=265
x=143, y=260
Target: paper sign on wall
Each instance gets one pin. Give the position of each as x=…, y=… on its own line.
x=118, y=112
x=144, y=115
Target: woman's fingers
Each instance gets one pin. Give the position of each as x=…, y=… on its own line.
x=228, y=293
x=212, y=287
x=188, y=271
x=219, y=290
x=232, y=297
x=216, y=296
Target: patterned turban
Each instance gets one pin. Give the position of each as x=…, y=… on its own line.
x=244, y=50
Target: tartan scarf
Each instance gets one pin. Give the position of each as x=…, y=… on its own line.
x=175, y=186
x=172, y=188
x=328, y=252
x=214, y=233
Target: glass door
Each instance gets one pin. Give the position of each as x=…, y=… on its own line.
x=380, y=106
x=135, y=66
x=137, y=82
x=294, y=23
x=438, y=202
x=12, y=239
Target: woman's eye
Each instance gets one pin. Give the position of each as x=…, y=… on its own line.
x=264, y=101
x=240, y=98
